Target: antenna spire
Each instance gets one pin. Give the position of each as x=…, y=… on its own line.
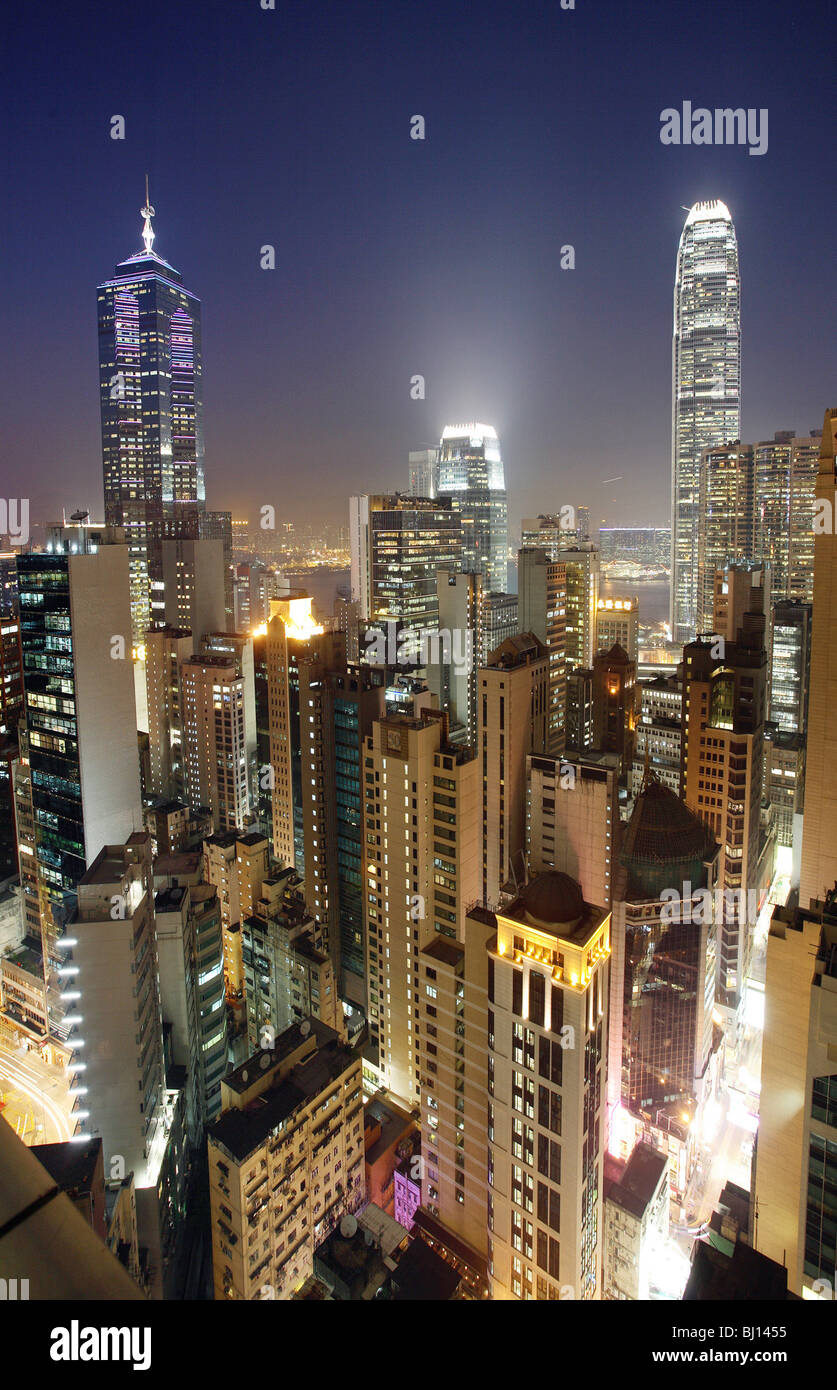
x=147, y=212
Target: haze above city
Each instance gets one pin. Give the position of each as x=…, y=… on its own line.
x=396, y=256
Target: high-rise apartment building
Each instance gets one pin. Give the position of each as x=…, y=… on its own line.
x=193, y=594
x=513, y=710
x=471, y=475
x=579, y=709
x=617, y=620
x=150, y=386
x=190, y=952
x=796, y=1154
x=287, y=972
x=454, y=657
x=499, y=621
x=116, y=1040
x=659, y=731
x=338, y=707
x=166, y=650
x=422, y=873
x=548, y=981
x=453, y=1056
x=706, y=382
x=819, y=842
x=214, y=739
x=294, y=638
x=237, y=867
x=572, y=822
x=725, y=520
x=542, y=610
x=723, y=746
x=217, y=526
x=285, y=1161
x=582, y=566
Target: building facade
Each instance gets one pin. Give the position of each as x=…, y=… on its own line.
x=706, y=384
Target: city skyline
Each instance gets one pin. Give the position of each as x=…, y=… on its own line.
x=416, y=839
x=374, y=299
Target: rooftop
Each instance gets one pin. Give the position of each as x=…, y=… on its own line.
x=441, y=948
x=240, y=1131
x=422, y=1274
x=73, y=1166
x=640, y=1180
x=553, y=902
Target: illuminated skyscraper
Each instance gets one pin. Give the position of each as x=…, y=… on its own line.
x=819, y=843
x=471, y=474
x=548, y=985
x=396, y=545
x=726, y=520
x=785, y=478
x=151, y=402
x=706, y=384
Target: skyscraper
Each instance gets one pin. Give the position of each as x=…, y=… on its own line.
x=542, y=609
x=471, y=474
x=785, y=478
x=726, y=520
x=706, y=383
x=548, y=984
x=80, y=715
x=819, y=842
x=795, y=1176
x=151, y=403
x=421, y=824
x=722, y=753
x=424, y=472
x=396, y=544
x=512, y=721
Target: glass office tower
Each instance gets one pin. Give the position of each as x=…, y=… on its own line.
x=151, y=404
x=471, y=474
x=706, y=384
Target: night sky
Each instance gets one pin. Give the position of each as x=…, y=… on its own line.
x=397, y=257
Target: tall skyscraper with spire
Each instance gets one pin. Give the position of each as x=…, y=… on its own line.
x=706, y=384
x=150, y=381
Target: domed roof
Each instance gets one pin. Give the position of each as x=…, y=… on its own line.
x=553, y=899
x=663, y=828
x=664, y=836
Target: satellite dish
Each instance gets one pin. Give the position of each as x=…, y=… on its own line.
x=79, y=516
x=348, y=1226
x=305, y=1027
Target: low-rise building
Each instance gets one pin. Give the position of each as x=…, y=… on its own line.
x=636, y=1213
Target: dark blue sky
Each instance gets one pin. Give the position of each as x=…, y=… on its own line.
x=397, y=257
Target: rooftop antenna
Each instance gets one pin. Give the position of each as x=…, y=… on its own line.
x=147, y=212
